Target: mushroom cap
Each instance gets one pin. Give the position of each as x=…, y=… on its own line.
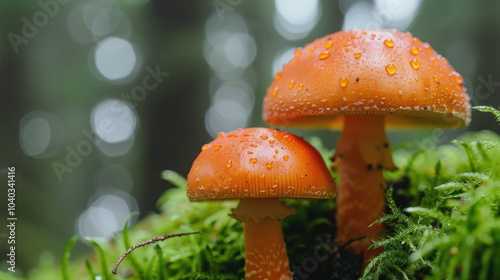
x=383, y=72
x=259, y=163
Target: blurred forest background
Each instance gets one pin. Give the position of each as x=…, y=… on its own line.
x=98, y=97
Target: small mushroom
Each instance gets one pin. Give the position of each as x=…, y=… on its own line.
x=364, y=81
x=258, y=166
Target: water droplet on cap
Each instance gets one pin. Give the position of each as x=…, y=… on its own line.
x=204, y=147
x=414, y=50
x=414, y=63
x=357, y=55
x=328, y=45
x=343, y=82
x=275, y=90
x=286, y=158
x=291, y=84
x=324, y=55
x=252, y=160
x=389, y=43
x=391, y=69
x=458, y=78
x=277, y=76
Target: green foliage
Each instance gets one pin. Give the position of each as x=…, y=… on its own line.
x=453, y=231
x=102, y=259
x=65, y=258
x=443, y=222
x=489, y=109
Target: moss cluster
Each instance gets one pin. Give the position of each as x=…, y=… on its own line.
x=443, y=222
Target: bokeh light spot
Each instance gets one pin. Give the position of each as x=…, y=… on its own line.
x=106, y=215
x=40, y=134
x=115, y=58
x=113, y=120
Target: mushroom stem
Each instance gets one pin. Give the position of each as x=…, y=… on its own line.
x=362, y=154
x=265, y=249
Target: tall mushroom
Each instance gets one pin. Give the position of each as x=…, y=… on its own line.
x=364, y=81
x=258, y=166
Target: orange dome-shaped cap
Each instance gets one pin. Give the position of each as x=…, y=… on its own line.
x=367, y=72
x=259, y=163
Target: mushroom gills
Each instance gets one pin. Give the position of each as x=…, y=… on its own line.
x=259, y=208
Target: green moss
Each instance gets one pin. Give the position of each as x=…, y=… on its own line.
x=443, y=222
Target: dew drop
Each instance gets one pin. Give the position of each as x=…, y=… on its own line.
x=291, y=84
x=357, y=55
x=414, y=63
x=276, y=151
x=343, y=81
x=277, y=76
x=324, y=55
x=416, y=41
x=347, y=44
x=414, y=50
x=328, y=45
x=252, y=160
x=217, y=147
x=249, y=152
x=229, y=163
x=346, y=50
x=247, y=134
x=269, y=165
x=263, y=137
x=458, y=78
x=310, y=50
x=296, y=52
x=275, y=90
x=389, y=43
x=435, y=78
x=301, y=86
x=391, y=69
x=204, y=147
x=286, y=158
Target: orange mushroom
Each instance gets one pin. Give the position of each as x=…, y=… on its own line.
x=258, y=166
x=363, y=81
